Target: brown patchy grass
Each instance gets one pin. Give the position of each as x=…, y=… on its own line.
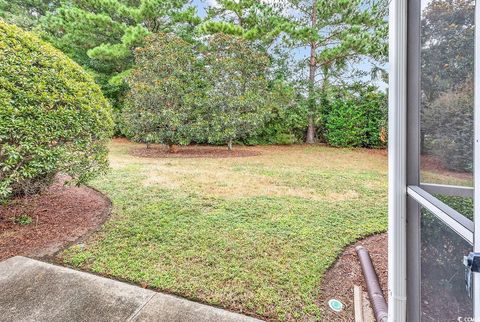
x=253, y=234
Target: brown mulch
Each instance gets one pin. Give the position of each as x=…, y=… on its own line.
x=61, y=216
x=434, y=164
x=338, y=282
x=194, y=151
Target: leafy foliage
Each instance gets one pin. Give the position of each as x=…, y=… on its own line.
x=165, y=88
x=180, y=93
x=238, y=99
x=448, y=31
x=449, y=121
x=101, y=35
x=26, y=13
x=23, y=220
x=287, y=120
x=53, y=118
x=335, y=32
x=356, y=120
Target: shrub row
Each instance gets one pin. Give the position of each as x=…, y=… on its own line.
x=358, y=120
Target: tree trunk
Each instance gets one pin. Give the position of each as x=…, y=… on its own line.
x=172, y=148
x=311, y=130
x=311, y=81
x=230, y=145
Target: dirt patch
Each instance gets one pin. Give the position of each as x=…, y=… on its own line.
x=53, y=220
x=338, y=282
x=194, y=151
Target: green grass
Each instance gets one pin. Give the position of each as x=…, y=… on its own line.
x=253, y=234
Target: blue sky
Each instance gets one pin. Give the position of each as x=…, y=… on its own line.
x=201, y=6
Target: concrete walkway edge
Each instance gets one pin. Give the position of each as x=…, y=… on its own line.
x=32, y=290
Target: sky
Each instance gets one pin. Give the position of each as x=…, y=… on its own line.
x=201, y=4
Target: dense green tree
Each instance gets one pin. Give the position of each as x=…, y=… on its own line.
x=309, y=43
x=286, y=122
x=334, y=32
x=238, y=98
x=26, y=13
x=448, y=29
x=447, y=65
x=101, y=35
x=355, y=116
x=165, y=89
x=449, y=121
x=259, y=22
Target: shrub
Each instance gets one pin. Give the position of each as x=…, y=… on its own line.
x=53, y=118
x=356, y=120
x=344, y=124
x=287, y=121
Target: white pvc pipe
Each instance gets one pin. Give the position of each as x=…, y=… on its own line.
x=397, y=162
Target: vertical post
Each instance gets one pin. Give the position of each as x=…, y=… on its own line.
x=397, y=161
x=413, y=160
x=476, y=163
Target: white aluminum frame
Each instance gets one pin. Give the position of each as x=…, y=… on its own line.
x=397, y=190
x=476, y=162
x=447, y=215
x=403, y=165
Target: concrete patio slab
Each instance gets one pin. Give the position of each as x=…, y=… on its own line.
x=32, y=290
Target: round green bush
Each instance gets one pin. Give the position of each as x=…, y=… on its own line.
x=53, y=117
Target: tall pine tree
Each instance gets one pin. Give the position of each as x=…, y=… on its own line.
x=324, y=35
x=333, y=32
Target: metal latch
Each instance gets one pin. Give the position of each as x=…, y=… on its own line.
x=472, y=265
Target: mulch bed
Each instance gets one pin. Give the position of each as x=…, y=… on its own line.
x=194, y=151
x=61, y=216
x=434, y=164
x=338, y=282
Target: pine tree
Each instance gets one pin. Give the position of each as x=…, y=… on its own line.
x=250, y=19
x=26, y=13
x=334, y=31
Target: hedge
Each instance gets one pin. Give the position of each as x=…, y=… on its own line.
x=53, y=117
x=356, y=121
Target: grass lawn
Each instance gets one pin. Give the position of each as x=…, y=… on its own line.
x=253, y=234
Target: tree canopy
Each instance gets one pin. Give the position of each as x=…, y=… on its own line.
x=165, y=89
x=101, y=35
x=311, y=44
x=238, y=99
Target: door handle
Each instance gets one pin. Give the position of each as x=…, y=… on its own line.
x=472, y=265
